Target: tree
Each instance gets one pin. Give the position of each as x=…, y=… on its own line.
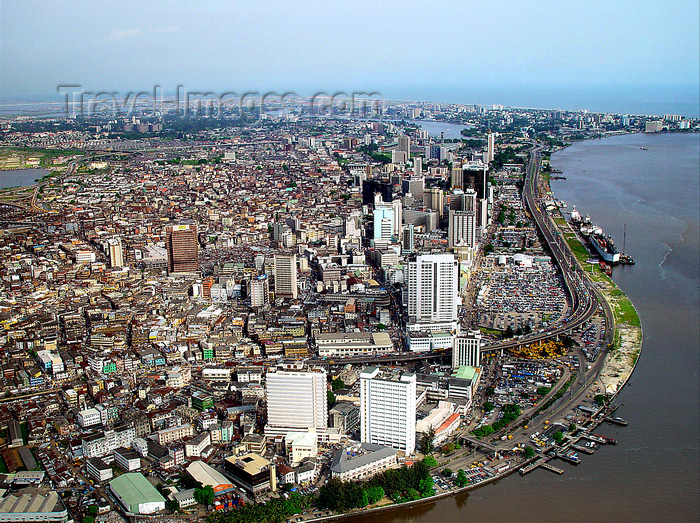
x=558, y=437
x=572, y=427
x=509, y=333
x=430, y=461
x=490, y=391
x=412, y=494
x=600, y=399
x=488, y=406
x=461, y=479
x=374, y=494
x=330, y=398
x=426, y=487
x=205, y=495
x=529, y=452
x=447, y=473
x=542, y=390
x=448, y=448
x=426, y=441
x=337, y=384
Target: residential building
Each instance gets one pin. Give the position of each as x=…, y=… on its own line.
x=296, y=400
x=183, y=248
x=388, y=409
x=286, y=276
x=467, y=350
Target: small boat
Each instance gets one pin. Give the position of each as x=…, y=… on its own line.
x=643, y=148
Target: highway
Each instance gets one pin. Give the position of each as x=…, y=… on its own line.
x=583, y=306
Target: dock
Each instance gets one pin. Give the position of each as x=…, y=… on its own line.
x=541, y=462
x=580, y=448
x=552, y=468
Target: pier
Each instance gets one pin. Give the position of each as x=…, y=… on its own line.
x=541, y=462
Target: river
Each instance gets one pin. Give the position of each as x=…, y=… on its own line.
x=20, y=177
x=652, y=474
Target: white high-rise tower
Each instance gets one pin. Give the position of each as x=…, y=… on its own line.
x=388, y=409
x=432, y=292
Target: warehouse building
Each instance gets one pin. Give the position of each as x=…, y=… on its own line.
x=136, y=494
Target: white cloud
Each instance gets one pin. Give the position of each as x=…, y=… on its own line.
x=127, y=34
x=123, y=34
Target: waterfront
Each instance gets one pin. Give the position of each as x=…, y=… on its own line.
x=653, y=471
x=20, y=177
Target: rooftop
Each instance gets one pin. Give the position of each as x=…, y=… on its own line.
x=134, y=489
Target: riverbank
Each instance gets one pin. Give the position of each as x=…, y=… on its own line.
x=393, y=506
x=625, y=349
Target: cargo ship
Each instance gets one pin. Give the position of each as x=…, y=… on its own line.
x=605, y=246
x=601, y=243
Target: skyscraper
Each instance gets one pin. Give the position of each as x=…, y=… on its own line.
x=404, y=145
x=408, y=240
x=383, y=222
x=183, y=248
x=467, y=350
x=433, y=199
x=296, y=400
x=490, y=146
x=475, y=176
x=286, y=276
x=432, y=292
x=418, y=166
x=260, y=291
x=388, y=409
x=370, y=187
x=462, y=229
x=116, y=254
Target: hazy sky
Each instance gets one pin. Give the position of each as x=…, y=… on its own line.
x=357, y=44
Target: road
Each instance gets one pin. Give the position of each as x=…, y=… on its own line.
x=583, y=306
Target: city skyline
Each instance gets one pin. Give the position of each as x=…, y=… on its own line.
x=516, y=54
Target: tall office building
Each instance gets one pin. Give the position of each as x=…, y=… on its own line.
x=296, y=400
x=456, y=175
x=418, y=166
x=415, y=186
x=397, y=211
x=462, y=229
x=490, y=146
x=370, y=187
x=260, y=291
x=475, y=176
x=404, y=145
x=408, y=240
x=183, y=248
x=388, y=409
x=432, y=292
x=433, y=199
x=383, y=222
x=467, y=350
x=286, y=276
x=116, y=254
